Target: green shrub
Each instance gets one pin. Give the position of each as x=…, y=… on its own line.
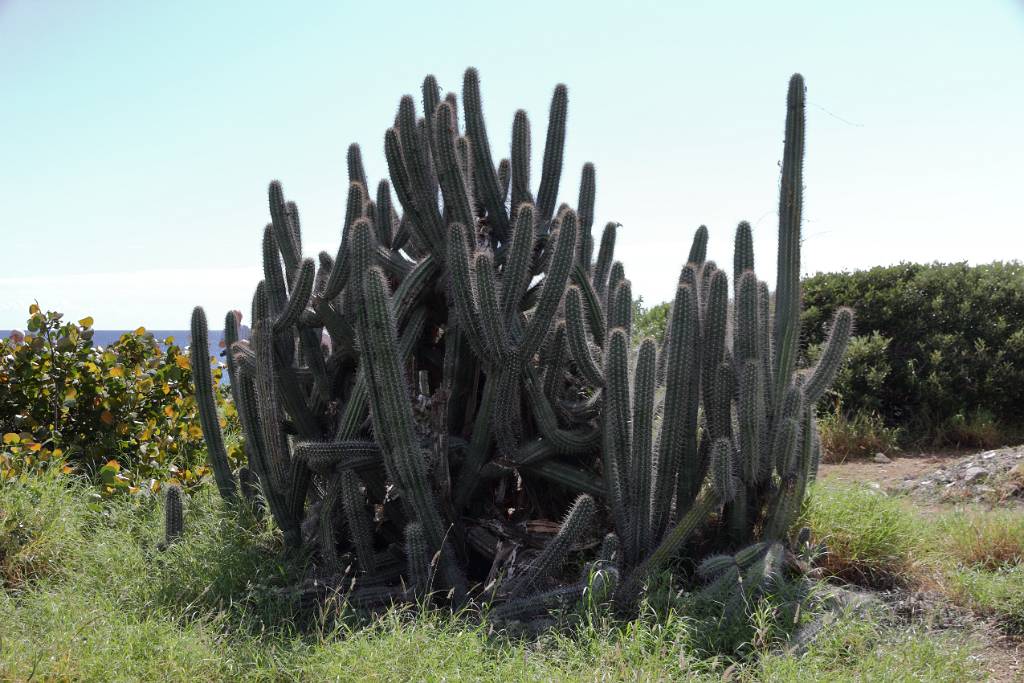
x=942, y=345
x=650, y=322
x=124, y=414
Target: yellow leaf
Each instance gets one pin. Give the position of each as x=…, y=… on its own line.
x=146, y=434
x=167, y=388
x=67, y=469
x=33, y=309
x=11, y=438
x=169, y=411
x=182, y=362
x=195, y=431
x=106, y=417
x=117, y=371
x=71, y=393
x=86, y=321
x=140, y=331
x=34, y=447
x=113, y=464
x=57, y=452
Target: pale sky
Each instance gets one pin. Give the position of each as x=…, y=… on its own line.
x=139, y=137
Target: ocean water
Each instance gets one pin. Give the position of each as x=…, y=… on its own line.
x=182, y=338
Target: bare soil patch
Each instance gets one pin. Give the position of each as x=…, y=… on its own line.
x=933, y=478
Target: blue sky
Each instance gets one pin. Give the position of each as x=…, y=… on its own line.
x=139, y=137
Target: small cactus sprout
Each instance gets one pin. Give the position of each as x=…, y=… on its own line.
x=174, y=520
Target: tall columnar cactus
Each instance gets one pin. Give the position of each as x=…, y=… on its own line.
x=463, y=369
x=199, y=357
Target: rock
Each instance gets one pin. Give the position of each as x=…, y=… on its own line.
x=975, y=474
x=881, y=459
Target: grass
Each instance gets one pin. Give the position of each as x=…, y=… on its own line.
x=869, y=537
x=988, y=540
x=974, y=555
x=87, y=596
x=997, y=594
x=861, y=435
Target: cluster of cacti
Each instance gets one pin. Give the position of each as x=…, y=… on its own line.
x=418, y=405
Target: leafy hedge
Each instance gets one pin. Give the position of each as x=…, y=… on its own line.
x=122, y=414
x=941, y=346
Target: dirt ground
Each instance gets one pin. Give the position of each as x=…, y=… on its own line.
x=994, y=477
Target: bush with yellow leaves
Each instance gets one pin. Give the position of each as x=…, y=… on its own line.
x=123, y=414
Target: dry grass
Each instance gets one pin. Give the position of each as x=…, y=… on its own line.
x=988, y=540
x=862, y=435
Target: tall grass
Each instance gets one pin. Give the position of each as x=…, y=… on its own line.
x=869, y=538
x=87, y=596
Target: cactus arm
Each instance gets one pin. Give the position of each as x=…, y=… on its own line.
x=487, y=181
x=460, y=289
x=504, y=178
x=449, y=172
x=605, y=256
x=554, y=147
x=516, y=275
x=620, y=311
x=743, y=252
x=521, y=160
x=383, y=221
x=574, y=527
x=354, y=160
x=283, y=236
x=492, y=325
x=677, y=449
x=360, y=524
x=594, y=311
x=588, y=193
x=832, y=358
x=576, y=333
x=415, y=155
x=202, y=380
x=699, y=247
x=302, y=287
x=410, y=291
x=553, y=288
x=174, y=523
x=786, y=331
x=641, y=465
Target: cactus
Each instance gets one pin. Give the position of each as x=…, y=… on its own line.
x=480, y=368
x=199, y=356
x=174, y=521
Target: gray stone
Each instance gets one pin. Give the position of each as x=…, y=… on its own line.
x=974, y=474
x=881, y=459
